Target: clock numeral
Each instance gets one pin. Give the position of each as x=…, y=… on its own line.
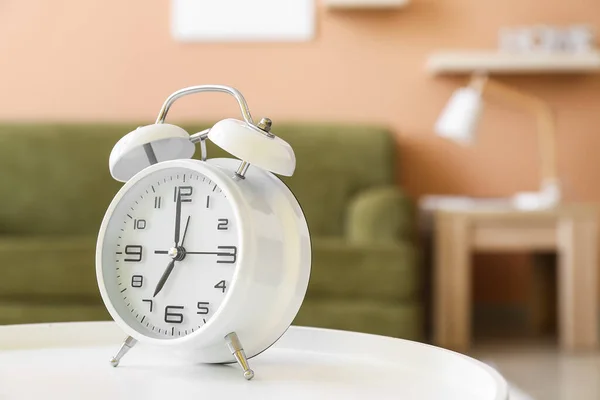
x=203, y=307
x=139, y=224
x=222, y=224
x=185, y=192
x=207, y=201
x=137, y=281
x=157, y=201
x=173, y=317
x=221, y=285
x=149, y=301
x=230, y=255
x=135, y=251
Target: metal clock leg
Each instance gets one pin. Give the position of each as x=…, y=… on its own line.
x=125, y=347
x=234, y=345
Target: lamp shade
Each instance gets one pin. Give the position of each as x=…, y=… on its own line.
x=460, y=117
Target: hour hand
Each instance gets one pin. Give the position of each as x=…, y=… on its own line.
x=164, y=278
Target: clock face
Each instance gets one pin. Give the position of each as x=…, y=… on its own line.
x=170, y=252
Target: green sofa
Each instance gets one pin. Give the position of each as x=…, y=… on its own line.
x=56, y=187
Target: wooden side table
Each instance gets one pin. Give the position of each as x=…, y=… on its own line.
x=569, y=230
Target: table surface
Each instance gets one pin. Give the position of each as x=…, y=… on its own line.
x=71, y=360
x=498, y=206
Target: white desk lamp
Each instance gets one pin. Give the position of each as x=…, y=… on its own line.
x=460, y=118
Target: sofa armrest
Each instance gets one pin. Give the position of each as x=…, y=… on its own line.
x=383, y=214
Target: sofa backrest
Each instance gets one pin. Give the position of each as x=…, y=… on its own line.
x=55, y=178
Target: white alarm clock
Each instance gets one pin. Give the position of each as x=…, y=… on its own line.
x=212, y=257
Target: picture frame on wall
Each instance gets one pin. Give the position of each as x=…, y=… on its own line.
x=242, y=20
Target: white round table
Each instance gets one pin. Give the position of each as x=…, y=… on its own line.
x=70, y=361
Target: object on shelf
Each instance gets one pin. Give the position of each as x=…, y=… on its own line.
x=366, y=4
x=516, y=40
x=581, y=38
x=459, y=122
x=468, y=62
x=549, y=39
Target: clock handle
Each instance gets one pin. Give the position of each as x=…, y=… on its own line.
x=205, y=88
x=201, y=137
x=236, y=137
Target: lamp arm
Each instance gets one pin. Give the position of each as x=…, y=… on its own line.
x=205, y=88
x=547, y=143
x=545, y=123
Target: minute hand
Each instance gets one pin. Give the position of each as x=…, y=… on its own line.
x=192, y=252
x=226, y=251
x=177, y=218
x=229, y=251
x=207, y=252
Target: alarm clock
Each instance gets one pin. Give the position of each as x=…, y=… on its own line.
x=207, y=257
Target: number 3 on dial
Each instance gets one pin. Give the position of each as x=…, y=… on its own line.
x=230, y=255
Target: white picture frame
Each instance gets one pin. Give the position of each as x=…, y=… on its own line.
x=242, y=20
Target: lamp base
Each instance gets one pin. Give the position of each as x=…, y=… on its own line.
x=548, y=197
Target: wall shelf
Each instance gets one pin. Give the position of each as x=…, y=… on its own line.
x=365, y=4
x=495, y=62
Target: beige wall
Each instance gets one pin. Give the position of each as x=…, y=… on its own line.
x=115, y=60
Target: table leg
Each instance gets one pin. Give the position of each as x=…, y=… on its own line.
x=452, y=284
x=577, y=284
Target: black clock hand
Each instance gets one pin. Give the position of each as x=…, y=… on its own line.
x=189, y=252
x=177, y=218
x=187, y=223
x=164, y=278
x=208, y=252
x=167, y=273
x=193, y=252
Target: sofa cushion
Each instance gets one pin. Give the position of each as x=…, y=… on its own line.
x=363, y=271
x=17, y=311
x=402, y=320
x=383, y=214
x=48, y=266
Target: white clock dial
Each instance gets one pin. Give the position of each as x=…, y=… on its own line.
x=172, y=245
